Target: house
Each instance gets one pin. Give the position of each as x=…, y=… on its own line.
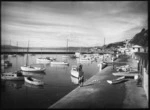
x=137, y=48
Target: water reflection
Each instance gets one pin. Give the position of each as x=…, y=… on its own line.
x=33, y=86
x=59, y=66
x=14, y=84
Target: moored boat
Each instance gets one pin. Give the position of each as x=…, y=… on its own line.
x=12, y=76
x=32, y=69
x=33, y=81
x=43, y=60
x=118, y=80
x=59, y=63
x=76, y=72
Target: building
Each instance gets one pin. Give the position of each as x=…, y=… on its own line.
x=143, y=69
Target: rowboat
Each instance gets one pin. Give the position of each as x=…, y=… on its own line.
x=32, y=69
x=33, y=81
x=12, y=76
x=118, y=80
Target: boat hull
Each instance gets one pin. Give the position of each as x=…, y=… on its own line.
x=59, y=63
x=75, y=73
x=43, y=60
x=34, y=69
x=118, y=80
x=34, y=82
x=10, y=76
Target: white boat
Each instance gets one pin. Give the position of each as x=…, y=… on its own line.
x=74, y=80
x=12, y=76
x=43, y=60
x=77, y=54
x=75, y=71
x=65, y=56
x=34, y=74
x=32, y=69
x=127, y=74
x=59, y=63
x=118, y=80
x=33, y=81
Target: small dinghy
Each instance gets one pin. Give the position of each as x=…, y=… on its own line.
x=12, y=76
x=33, y=81
x=118, y=80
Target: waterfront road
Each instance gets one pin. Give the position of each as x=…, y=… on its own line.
x=97, y=93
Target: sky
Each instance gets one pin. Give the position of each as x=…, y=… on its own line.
x=83, y=23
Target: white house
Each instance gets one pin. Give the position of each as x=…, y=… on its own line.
x=136, y=48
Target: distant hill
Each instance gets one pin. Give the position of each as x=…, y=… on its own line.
x=15, y=47
x=140, y=38
x=115, y=45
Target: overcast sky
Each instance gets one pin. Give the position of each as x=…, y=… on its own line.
x=50, y=24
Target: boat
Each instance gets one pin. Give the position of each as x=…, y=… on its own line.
x=66, y=56
x=124, y=68
x=75, y=71
x=127, y=74
x=74, y=80
x=7, y=63
x=118, y=80
x=33, y=81
x=14, y=55
x=44, y=60
x=12, y=76
x=34, y=74
x=103, y=64
x=31, y=68
x=59, y=63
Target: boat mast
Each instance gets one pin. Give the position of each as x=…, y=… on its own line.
x=10, y=45
x=67, y=45
x=27, y=54
x=17, y=46
x=41, y=52
x=103, y=49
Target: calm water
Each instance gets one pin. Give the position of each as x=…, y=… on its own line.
x=57, y=79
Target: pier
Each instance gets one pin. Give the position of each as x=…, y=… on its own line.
x=97, y=93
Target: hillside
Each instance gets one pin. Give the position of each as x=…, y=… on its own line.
x=115, y=45
x=140, y=38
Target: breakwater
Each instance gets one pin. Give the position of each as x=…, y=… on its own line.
x=95, y=93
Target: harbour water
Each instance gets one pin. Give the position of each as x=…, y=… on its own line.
x=57, y=79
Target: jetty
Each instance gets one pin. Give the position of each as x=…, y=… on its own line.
x=97, y=93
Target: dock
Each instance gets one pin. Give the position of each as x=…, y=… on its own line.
x=97, y=93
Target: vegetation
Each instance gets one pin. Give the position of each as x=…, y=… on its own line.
x=140, y=38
